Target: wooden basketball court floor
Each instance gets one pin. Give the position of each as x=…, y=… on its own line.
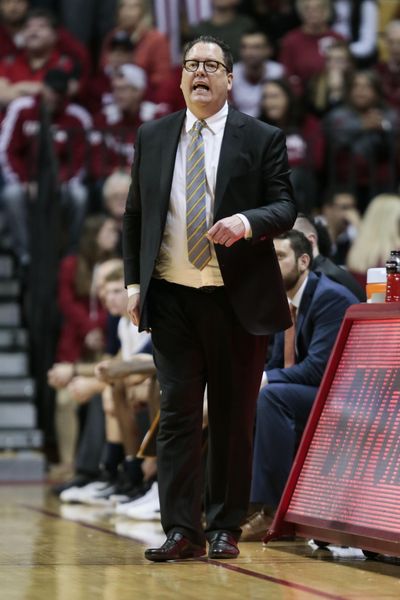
x=54, y=552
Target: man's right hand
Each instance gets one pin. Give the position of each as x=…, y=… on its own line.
x=133, y=308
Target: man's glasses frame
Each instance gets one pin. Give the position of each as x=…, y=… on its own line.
x=210, y=66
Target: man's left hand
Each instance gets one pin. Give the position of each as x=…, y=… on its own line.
x=227, y=231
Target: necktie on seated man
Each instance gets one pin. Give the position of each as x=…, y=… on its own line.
x=199, y=251
x=290, y=340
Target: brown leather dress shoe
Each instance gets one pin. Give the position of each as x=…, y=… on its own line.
x=176, y=547
x=256, y=527
x=223, y=545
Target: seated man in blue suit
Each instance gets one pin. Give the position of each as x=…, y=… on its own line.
x=293, y=374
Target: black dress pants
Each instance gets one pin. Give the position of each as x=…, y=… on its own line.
x=198, y=341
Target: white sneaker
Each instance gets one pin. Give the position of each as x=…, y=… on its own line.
x=147, y=511
x=99, y=496
x=74, y=494
x=151, y=495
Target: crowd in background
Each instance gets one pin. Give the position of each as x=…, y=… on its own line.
x=326, y=72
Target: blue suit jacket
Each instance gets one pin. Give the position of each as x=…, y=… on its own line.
x=319, y=317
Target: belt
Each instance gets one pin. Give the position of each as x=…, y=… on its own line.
x=206, y=289
x=210, y=289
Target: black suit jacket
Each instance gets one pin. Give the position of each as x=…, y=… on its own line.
x=252, y=178
x=322, y=264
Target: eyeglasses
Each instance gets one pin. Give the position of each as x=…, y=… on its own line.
x=210, y=66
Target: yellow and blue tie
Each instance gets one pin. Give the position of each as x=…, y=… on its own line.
x=199, y=251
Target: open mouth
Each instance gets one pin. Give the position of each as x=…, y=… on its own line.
x=201, y=86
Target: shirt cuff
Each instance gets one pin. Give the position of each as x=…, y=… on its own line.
x=264, y=380
x=248, y=232
x=133, y=288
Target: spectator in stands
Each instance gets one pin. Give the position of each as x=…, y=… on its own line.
x=12, y=20
x=118, y=53
x=303, y=49
x=131, y=377
x=323, y=264
x=357, y=22
x=116, y=125
x=327, y=90
x=389, y=71
x=379, y=234
x=275, y=17
x=126, y=382
x=61, y=374
x=82, y=335
x=252, y=70
x=115, y=192
x=44, y=48
x=342, y=217
x=18, y=158
x=293, y=374
x=304, y=140
x=361, y=137
x=151, y=48
x=226, y=24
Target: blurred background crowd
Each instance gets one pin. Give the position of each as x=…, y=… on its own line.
x=77, y=79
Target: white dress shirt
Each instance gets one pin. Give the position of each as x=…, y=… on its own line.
x=173, y=263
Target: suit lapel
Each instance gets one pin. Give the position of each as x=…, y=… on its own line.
x=169, y=144
x=230, y=148
x=306, y=301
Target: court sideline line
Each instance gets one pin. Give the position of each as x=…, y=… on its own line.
x=215, y=563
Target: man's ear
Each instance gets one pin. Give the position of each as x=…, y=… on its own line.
x=304, y=262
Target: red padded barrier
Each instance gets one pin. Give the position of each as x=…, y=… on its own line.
x=344, y=486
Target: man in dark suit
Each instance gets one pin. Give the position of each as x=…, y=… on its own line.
x=210, y=190
x=293, y=374
x=323, y=264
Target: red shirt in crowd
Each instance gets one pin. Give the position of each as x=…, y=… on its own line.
x=390, y=78
x=81, y=314
x=114, y=134
x=306, y=145
x=67, y=47
x=17, y=68
x=303, y=54
x=19, y=140
x=152, y=53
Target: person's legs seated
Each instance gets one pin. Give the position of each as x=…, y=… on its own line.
x=282, y=411
x=75, y=199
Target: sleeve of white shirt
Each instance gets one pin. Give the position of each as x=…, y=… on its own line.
x=133, y=288
x=248, y=232
x=367, y=35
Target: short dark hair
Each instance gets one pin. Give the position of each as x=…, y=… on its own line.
x=298, y=242
x=42, y=13
x=336, y=190
x=255, y=31
x=210, y=39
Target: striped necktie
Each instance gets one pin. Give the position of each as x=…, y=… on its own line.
x=199, y=251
